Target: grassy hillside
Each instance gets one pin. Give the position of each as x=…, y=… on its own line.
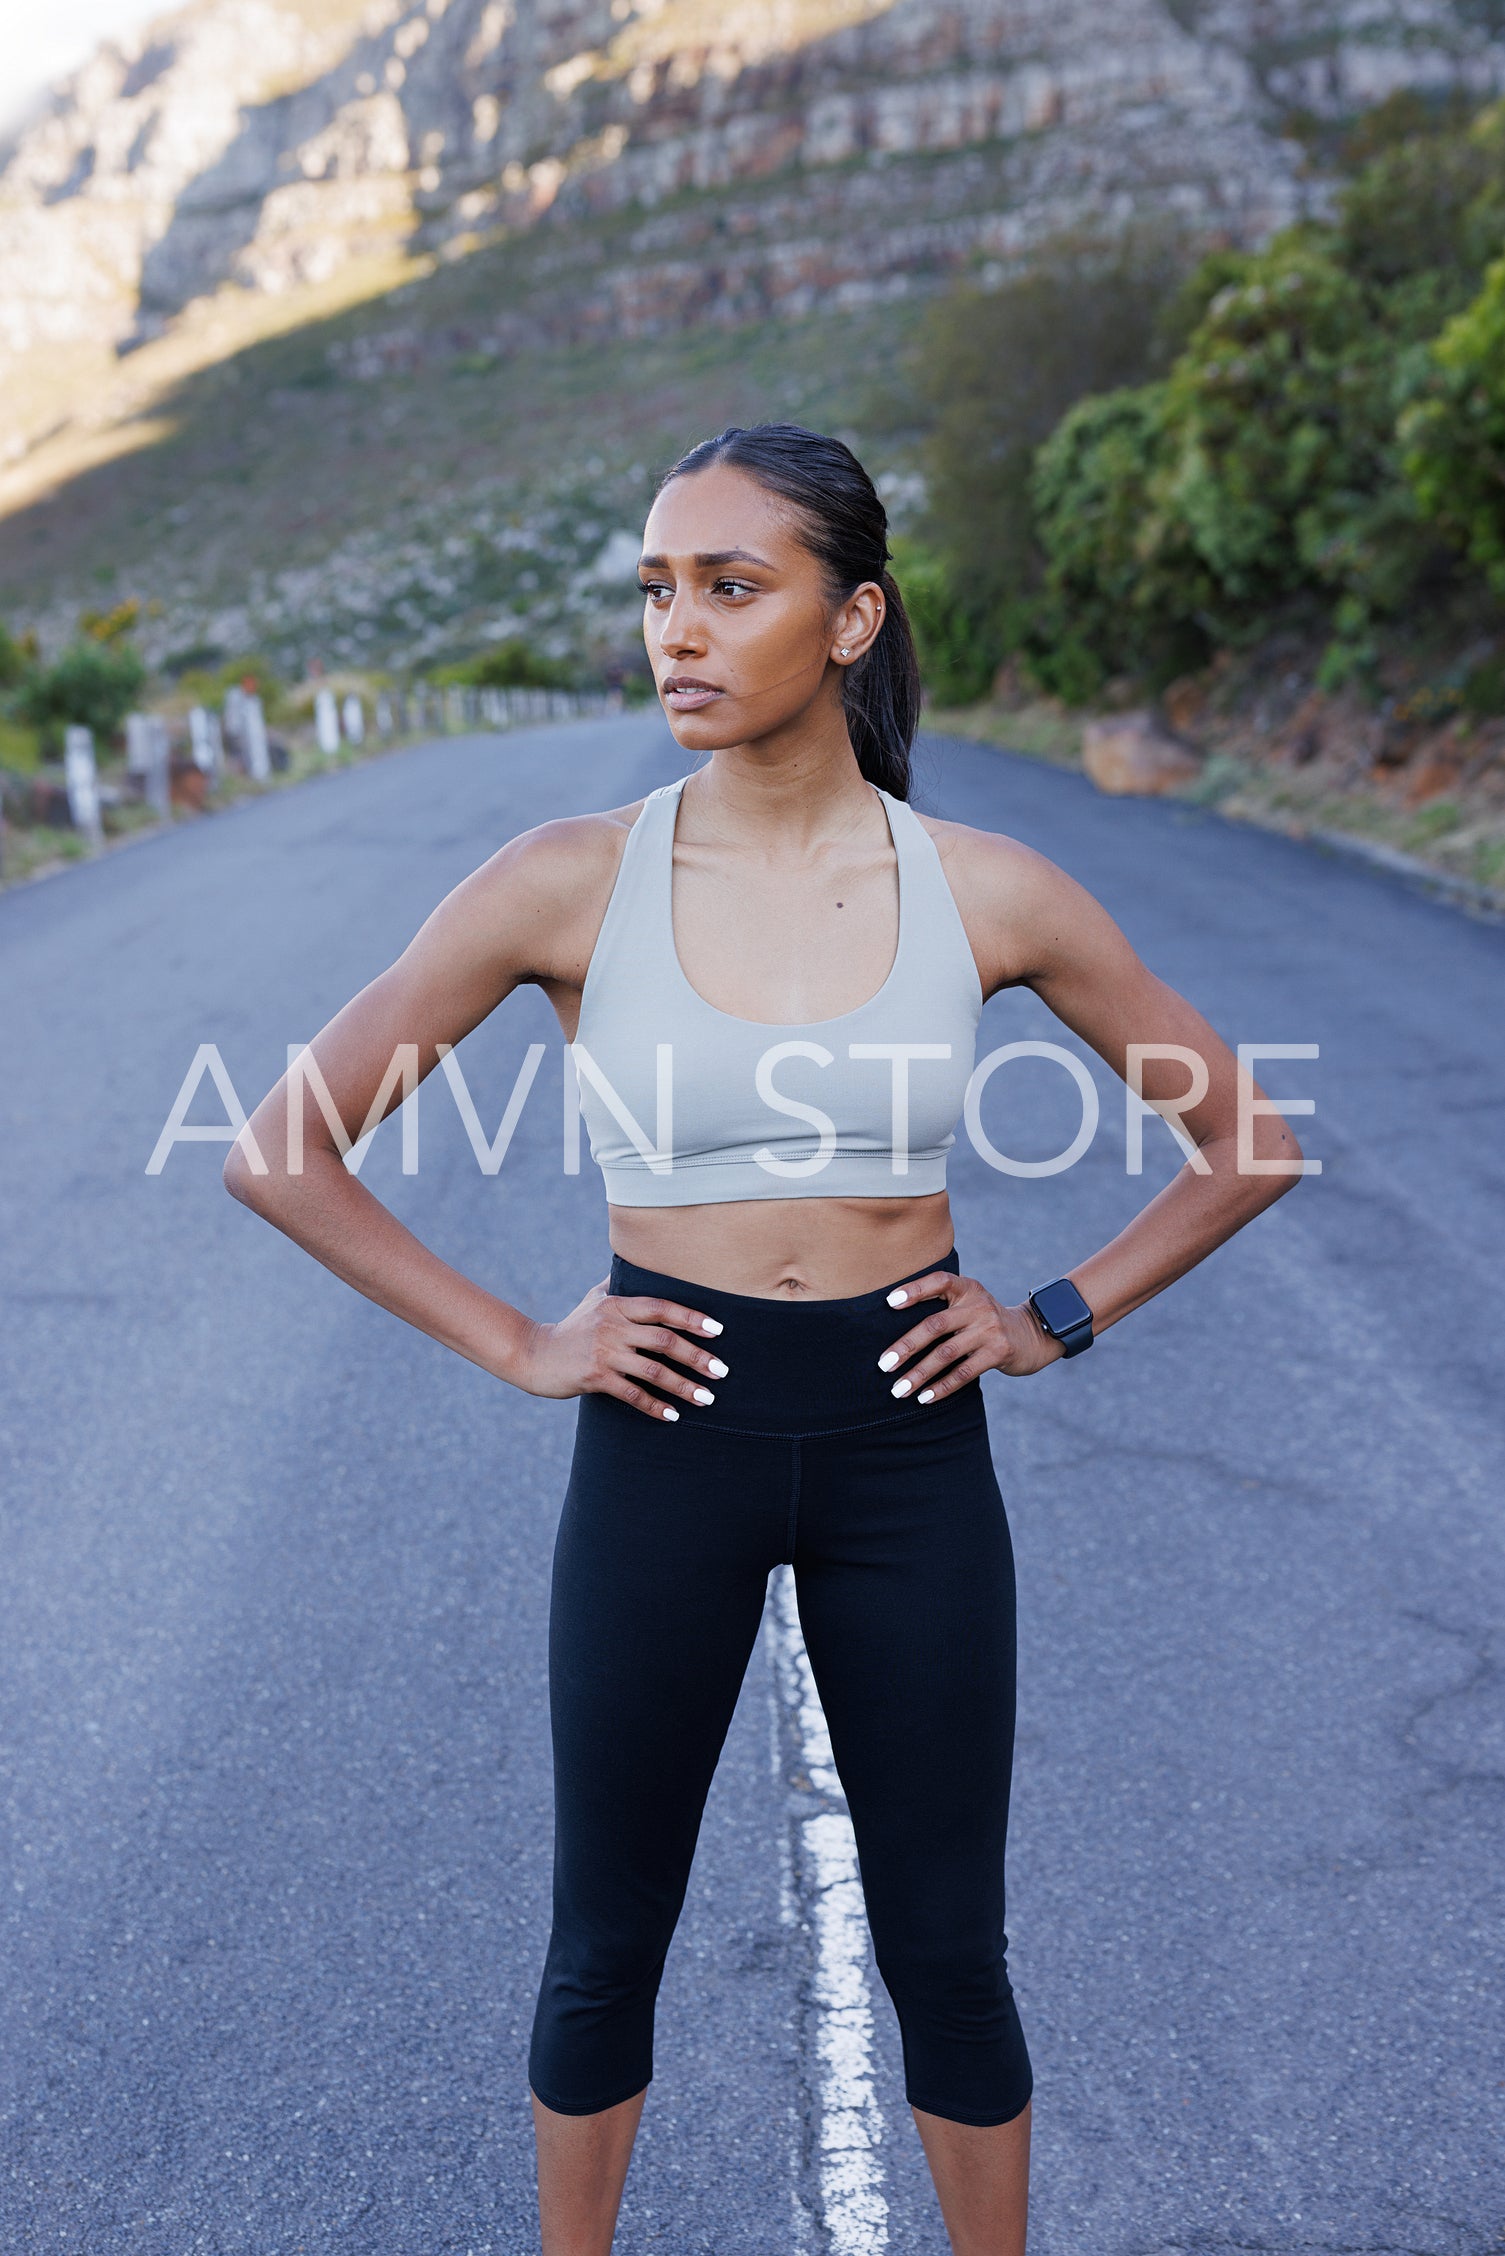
x=394, y=480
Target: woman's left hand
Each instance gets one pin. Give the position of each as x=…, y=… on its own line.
x=973, y=1333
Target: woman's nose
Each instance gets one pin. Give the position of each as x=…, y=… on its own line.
x=681, y=631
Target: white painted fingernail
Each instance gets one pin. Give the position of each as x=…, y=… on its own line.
x=704, y=1394
x=901, y=1386
x=671, y=1415
x=716, y=1367
x=897, y=1297
x=926, y=1394
x=887, y=1362
x=709, y=1324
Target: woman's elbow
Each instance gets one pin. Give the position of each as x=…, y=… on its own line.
x=1281, y=1169
x=244, y=1180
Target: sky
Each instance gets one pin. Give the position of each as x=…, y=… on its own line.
x=44, y=39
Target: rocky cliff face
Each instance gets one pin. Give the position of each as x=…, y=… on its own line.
x=776, y=151
x=627, y=170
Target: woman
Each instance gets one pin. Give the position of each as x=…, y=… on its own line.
x=771, y=971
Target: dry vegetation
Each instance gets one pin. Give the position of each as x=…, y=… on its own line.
x=1277, y=751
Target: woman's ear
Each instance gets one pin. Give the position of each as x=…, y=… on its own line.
x=857, y=624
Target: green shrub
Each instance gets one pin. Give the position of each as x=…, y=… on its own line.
x=1279, y=417
x=92, y=684
x=15, y=659
x=1091, y=493
x=993, y=373
x=1423, y=209
x=956, y=662
x=514, y=664
x=1483, y=692
x=20, y=748
x=1261, y=473
x=1453, y=438
x=1185, y=309
x=1353, y=653
x=1131, y=467
x=196, y=658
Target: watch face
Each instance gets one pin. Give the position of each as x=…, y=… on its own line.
x=1061, y=1305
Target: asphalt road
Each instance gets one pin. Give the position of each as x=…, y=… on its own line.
x=273, y=1745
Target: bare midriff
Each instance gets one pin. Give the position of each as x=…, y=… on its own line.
x=787, y=1249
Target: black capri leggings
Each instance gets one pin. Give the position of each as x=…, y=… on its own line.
x=891, y=1515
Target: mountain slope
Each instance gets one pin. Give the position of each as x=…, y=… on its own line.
x=537, y=179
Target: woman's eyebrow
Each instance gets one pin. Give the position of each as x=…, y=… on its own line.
x=708, y=560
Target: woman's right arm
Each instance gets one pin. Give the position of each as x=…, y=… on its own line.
x=529, y=914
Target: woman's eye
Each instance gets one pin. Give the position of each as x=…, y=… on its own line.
x=659, y=591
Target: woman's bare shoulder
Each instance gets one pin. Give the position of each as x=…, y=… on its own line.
x=540, y=898
x=985, y=860
x=571, y=851
x=1012, y=898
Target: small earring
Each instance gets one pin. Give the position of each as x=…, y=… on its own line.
x=842, y=650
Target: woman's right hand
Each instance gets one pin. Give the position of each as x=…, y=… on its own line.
x=613, y=1344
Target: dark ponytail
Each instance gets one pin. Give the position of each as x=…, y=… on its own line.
x=844, y=525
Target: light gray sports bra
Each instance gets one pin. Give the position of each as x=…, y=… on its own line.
x=688, y=1106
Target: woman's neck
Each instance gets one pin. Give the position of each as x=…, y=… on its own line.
x=798, y=799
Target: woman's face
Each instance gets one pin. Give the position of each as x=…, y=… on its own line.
x=740, y=632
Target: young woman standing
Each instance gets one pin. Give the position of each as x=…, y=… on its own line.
x=771, y=971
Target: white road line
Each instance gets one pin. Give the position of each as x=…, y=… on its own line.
x=820, y=1882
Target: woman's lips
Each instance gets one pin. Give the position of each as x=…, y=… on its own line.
x=689, y=696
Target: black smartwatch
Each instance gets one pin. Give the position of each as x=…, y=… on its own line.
x=1063, y=1315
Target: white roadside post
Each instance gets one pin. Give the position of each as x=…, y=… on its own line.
x=233, y=722
x=204, y=741
x=158, y=766
x=353, y=716
x=82, y=780
x=136, y=758
x=254, y=737
x=327, y=722
x=148, y=756
x=383, y=713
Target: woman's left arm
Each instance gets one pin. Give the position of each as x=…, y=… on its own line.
x=1034, y=926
